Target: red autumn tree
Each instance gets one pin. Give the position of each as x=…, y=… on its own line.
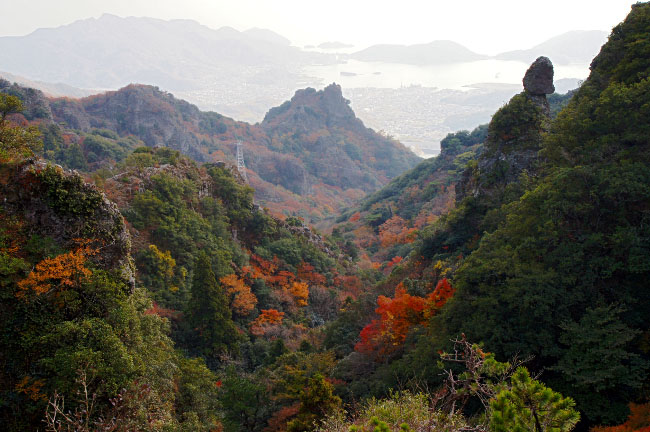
x=307, y=273
x=398, y=315
x=443, y=292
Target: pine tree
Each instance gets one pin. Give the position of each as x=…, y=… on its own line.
x=529, y=406
x=317, y=401
x=208, y=314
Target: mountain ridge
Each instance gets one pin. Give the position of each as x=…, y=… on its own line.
x=436, y=52
x=182, y=55
x=310, y=157
x=174, y=54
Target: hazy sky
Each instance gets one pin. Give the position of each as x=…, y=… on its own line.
x=485, y=26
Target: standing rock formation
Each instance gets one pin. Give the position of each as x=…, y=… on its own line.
x=539, y=77
x=514, y=139
x=538, y=82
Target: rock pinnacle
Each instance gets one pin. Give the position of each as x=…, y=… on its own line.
x=539, y=77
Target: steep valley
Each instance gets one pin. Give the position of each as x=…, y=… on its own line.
x=148, y=284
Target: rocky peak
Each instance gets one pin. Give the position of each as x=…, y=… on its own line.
x=312, y=108
x=334, y=102
x=538, y=82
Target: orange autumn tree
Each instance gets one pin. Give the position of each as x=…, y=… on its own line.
x=299, y=292
x=268, y=319
x=59, y=273
x=395, y=231
x=242, y=299
x=638, y=421
x=398, y=315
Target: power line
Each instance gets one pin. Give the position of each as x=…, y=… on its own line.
x=241, y=166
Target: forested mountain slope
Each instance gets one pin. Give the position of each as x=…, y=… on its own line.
x=310, y=156
x=545, y=254
x=211, y=274
x=384, y=225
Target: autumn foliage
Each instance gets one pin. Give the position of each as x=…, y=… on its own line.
x=242, y=299
x=268, y=318
x=299, y=292
x=398, y=315
x=307, y=273
x=63, y=271
x=395, y=231
x=638, y=421
x=279, y=419
x=288, y=287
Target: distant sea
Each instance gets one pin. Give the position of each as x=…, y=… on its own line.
x=356, y=74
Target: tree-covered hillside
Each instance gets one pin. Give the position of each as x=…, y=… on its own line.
x=545, y=251
x=122, y=306
x=308, y=158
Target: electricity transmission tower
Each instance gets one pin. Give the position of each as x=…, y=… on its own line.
x=241, y=166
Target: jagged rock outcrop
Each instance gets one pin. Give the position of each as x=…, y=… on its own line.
x=58, y=204
x=330, y=105
x=35, y=104
x=154, y=116
x=332, y=144
x=538, y=82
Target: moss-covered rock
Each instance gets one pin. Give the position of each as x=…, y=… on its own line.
x=59, y=204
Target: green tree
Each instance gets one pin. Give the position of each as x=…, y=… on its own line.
x=16, y=140
x=529, y=406
x=197, y=402
x=246, y=402
x=317, y=401
x=208, y=313
x=599, y=361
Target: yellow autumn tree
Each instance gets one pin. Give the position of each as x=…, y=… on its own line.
x=63, y=271
x=300, y=292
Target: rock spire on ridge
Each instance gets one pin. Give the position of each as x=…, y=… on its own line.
x=539, y=77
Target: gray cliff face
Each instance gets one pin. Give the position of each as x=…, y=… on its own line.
x=514, y=139
x=58, y=204
x=144, y=111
